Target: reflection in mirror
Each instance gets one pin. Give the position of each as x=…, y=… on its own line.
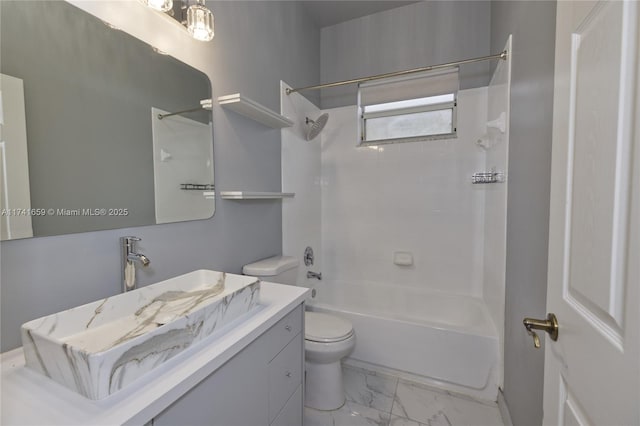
x=82, y=147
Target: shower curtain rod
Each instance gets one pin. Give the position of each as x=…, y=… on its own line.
x=161, y=116
x=502, y=55
x=205, y=105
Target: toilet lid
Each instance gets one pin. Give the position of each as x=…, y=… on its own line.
x=326, y=328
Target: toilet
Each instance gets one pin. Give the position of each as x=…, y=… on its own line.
x=328, y=338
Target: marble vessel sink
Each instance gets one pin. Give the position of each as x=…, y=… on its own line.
x=101, y=347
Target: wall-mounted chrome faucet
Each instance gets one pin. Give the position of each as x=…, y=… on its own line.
x=129, y=257
x=317, y=275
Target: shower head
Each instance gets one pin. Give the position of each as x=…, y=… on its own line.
x=315, y=127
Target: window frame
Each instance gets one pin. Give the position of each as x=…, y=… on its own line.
x=364, y=116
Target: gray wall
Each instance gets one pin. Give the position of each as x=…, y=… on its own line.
x=417, y=35
x=89, y=90
x=256, y=45
x=532, y=24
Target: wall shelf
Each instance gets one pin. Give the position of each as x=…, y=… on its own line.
x=255, y=111
x=249, y=195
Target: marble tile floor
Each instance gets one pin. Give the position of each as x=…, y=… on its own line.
x=375, y=399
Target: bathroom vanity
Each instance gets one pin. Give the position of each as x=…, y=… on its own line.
x=250, y=374
x=261, y=385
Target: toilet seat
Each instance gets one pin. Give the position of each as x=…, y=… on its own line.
x=325, y=328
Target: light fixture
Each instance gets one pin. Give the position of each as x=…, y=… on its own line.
x=192, y=14
x=200, y=21
x=160, y=5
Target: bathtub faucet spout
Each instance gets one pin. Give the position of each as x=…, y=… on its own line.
x=317, y=275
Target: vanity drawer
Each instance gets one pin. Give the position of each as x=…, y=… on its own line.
x=282, y=332
x=291, y=414
x=285, y=375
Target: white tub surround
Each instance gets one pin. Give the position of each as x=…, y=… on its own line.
x=495, y=210
x=446, y=341
x=29, y=398
x=415, y=197
x=101, y=347
x=300, y=159
x=408, y=214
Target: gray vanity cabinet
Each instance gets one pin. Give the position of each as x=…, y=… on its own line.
x=262, y=385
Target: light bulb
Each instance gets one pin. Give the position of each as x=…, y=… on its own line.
x=200, y=21
x=161, y=5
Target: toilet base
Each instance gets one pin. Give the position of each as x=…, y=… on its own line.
x=323, y=386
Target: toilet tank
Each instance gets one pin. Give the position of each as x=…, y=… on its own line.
x=277, y=269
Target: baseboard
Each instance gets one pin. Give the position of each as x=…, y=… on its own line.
x=504, y=409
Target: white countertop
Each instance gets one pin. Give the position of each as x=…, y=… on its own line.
x=29, y=398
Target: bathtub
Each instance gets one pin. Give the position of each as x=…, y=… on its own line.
x=446, y=341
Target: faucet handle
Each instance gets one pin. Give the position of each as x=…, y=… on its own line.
x=129, y=239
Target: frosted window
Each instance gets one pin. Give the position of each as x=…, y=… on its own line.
x=410, y=125
x=390, y=106
x=407, y=108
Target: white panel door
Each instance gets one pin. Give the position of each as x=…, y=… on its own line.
x=592, y=372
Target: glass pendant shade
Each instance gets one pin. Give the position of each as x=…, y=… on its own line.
x=161, y=5
x=200, y=21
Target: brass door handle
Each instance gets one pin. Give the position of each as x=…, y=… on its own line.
x=550, y=325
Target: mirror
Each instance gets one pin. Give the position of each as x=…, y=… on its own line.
x=82, y=147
